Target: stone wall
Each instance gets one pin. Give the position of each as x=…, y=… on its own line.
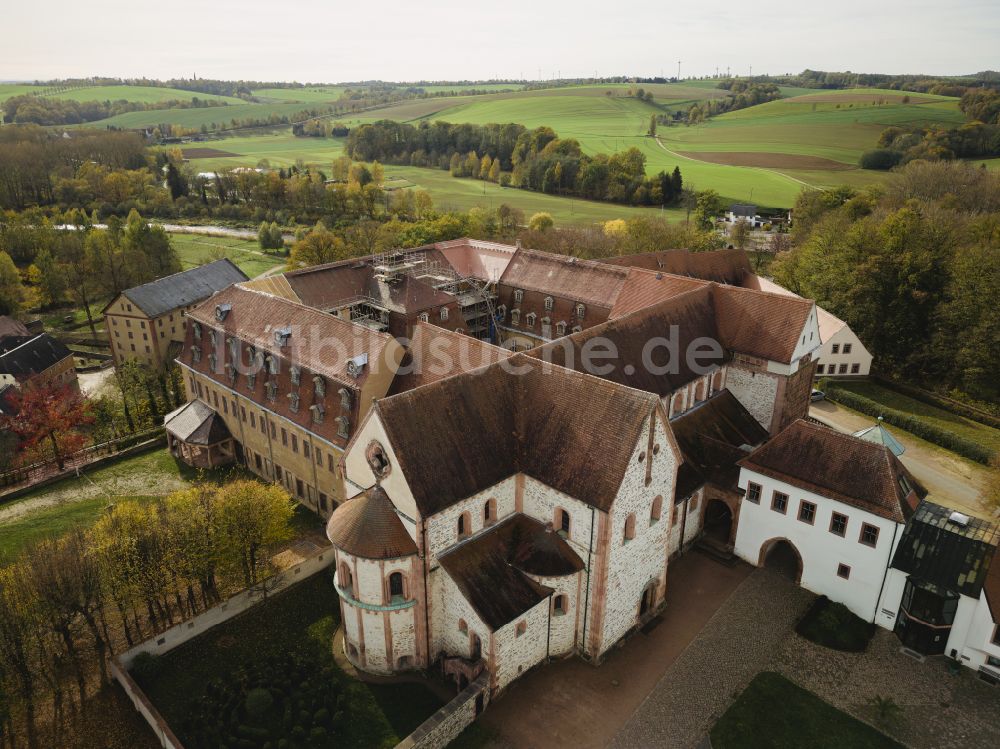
x=514, y=652
x=756, y=390
x=446, y=724
x=442, y=528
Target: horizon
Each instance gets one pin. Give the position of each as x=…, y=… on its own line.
x=406, y=45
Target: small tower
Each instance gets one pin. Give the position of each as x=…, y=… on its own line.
x=880, y=436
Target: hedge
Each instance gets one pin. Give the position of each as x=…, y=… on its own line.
x=910, y=423
x=945, y=403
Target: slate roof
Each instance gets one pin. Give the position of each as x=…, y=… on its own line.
x=460, y=435
x=23, y=356
x=712, y=436
x=368, y=526
x=692, y=312
x=721, y=266
x=196, y=423
x=435, y=353
x=950, y=557
x=185, y=288
x=490, y=569
x=839, y=466
x=586, y=281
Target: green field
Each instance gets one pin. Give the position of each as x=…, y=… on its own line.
x=311, y=95
x=198, y=249
x=144, y=94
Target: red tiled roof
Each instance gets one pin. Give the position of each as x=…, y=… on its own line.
x=644, y=288
x=838, y=466
x=721, y=266
x=584, y=281
x=463, y=434
x=368, y=526
x=435, y=353
x=758, y=323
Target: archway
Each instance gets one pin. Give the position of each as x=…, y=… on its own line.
x=780, y=555
x=718, y=521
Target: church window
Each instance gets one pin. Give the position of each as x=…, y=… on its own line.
x=396, y=592
x=464, y=525
x=629, y=528
x=490, y=511
x=562, y=522
x=656, y=510
x=559, y=605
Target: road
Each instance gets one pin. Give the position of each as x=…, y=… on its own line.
x=949, y=479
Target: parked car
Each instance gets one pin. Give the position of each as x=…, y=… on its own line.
x=817, y=395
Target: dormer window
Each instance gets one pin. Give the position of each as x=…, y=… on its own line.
x=234, y=348
x=343, y=427
x=518, y=296
x=577, y=328
x=293, y=402
x=356, y=365
x=346, y=399
x=319, y=386
x=561, y=328
x=424, y=317
x=529, y=319
x=231, y=372
x=318, y=412
x=580, y=310
x=296, y=374
x=196, y=354
x=282, y=336
x=515, y=317
x=272, y=391
x=213, y=361
x=251, y=380
x=444, y=313
x=549, y=302
x=222, y=311
x=272, y=364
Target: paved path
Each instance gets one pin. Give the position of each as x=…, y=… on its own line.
x=741, y=639
x=950, y=480
x=573, y=704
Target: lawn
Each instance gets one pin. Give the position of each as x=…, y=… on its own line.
x=774, y=713
x=198, y=249
x=981, y=434
x=53, y=510
x=300, y=621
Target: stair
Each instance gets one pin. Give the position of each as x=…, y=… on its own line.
x=720, y=552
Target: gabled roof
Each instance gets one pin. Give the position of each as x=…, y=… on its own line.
x=185, y=288
x=463, y=434
x=584, y=281
x=368, y=526
x=841, y=467
x=9, y=326
x=693, y=314
x=492, y=570
x=948, y=556
x=319, y=342
x=435, y=353
x=196, y=423
x=644, y=288
x=721, y=266
x=829, y=324
x=28, y=355
x=712, y=437
x=760, y=324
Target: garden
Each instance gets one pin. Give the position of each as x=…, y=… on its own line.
x=268, y=680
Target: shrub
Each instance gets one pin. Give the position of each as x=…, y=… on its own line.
x=258, y=701
x=880, y=158
x=834, y=626
x=146, y=667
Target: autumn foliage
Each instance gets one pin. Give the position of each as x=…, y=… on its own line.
x=48, y=422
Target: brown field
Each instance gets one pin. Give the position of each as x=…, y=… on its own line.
x=767, y=160
x=206, y=153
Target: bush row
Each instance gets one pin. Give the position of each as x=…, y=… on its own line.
x=939, y=401
x=910, y=423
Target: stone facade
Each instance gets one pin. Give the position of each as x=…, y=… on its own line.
x=756, y=389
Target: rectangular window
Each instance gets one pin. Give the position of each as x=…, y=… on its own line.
x=253, y=420
x=329, y=463
x=284, y=437
x=843, y=571
x=819, y=368
x=322, y=502
x=835, y=349
x=842, y=369
x=855, y=368
x=319, y=457
x=779, y=502
x=215, y=399
x=838, y=524
x=996, y=635
x=305, y=450
x=807, y=512
x=277, y=472
x=225, y=406
x=753, y=493
x=869, y=535
x=295, y=444
x=847, y=348
x=299, y=489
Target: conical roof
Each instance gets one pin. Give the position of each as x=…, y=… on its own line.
x=368, y=526
x=880, y=436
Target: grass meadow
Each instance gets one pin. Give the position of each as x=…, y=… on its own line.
x=198, y=249
x=144, y=94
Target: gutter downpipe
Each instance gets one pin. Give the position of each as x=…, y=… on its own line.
x=586, y=601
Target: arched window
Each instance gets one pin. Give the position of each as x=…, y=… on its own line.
x=463, y=627
x=424, y=317
x=345, y=578
x=464, y=525
x=656, y=510
x=518, y=296
x=562, y=522
x=490, y=511
x=629, y=527
x=396, y=586
x=559, y=605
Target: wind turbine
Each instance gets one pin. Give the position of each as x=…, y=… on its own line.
x=679, y=69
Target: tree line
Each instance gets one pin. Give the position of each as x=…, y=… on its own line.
x=742, y=94
x=38, y=110
x=68, y=604
x=512, y=155
x=914, y=268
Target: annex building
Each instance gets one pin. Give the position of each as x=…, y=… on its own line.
x=497, y=498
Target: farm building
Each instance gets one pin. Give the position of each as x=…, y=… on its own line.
x=36, y=359
x=439, y=408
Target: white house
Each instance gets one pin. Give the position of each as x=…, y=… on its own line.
x=830, y=506
x=942, y=593
x=746, y=212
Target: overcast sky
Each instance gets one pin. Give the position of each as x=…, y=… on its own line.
x=334, y=40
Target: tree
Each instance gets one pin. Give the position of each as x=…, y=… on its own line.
x=176, y=182
x=47, y=421
x=49, y=276
x=18, y=623
x=82, y=271
x=541, y=222
x=484, y=167
x=11, y=289
x=708, y=205
x=494, y=173
x=252, y=516
x=318, y=246
x=652, y=126
x=740, y=233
